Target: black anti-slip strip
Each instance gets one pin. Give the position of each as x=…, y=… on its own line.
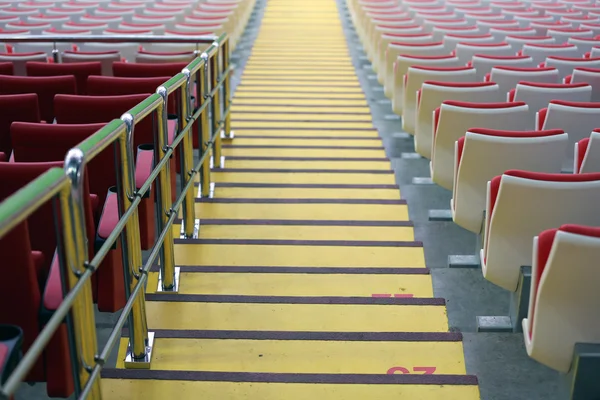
x=321, y=336
x=300, y=201
x=264, y=377
x=301, y=222
x=300, y=270
x=289, y=242
x=202, y=298
x=301, y=185
x=307, y=171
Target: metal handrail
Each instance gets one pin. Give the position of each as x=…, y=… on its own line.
x=109, y=38
x=211, y=72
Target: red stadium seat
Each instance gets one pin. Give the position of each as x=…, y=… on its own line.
x=18, y=107
x=19, y=60
x=80, y=71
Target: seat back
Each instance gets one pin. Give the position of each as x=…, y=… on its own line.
x=415, y=77
x=401, y=66
x=106, y=59
x=157, y=57
x=455, y=118
x=513, y=216
x=507, y=78
x=451, y=40
x=539, y=95
x=501, y=33
x=147, y=70
x=433, y=94
x=466, y=51
x=482, y=154
x=590, y=76
x=587, y=154
x=18, y=107
x=439, y=32
x=576, y=118
x=539, y=52
x=562, y=35
x=45, y=88
x=566, y=65
x=80, y=71
x=19, y=60
x=483, y=64
x=517, y=42
x=584, y=44
x=6, y=68
x=563, y=287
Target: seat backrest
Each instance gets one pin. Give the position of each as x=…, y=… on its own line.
x=577, y=118
x=500, y=33
x=50, y=142
x=482, y=154
x=454, y=118
x=507, y=78
x=539, y=95
x=6, y=68
x=566, y=65
x=76, y=110
x=106, y=59
x=587, y=154
x=466, y=51
x=434, y=93
x=517, y=42
x=564, y=273
x=146, y=70
x=513, y=216
x=80, y=71
x=451, y=40
x=584, y=44
x=19, y=60
x=158, y=57
x=564, y=34
x=439, y=32
x=127, y=50
x=45, y=88
x=483, y=64
x=590, y=76
x=17, y=107
x=539, y=52
x=485, y=26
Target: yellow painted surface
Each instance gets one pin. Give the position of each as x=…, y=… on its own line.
x=257, y=108
x=296, y=317
x=298, y=256
x=240, y=132
x=339, y=212
x=284, y=95
x=345, y=285
x=300, y=89
x=186, y=390
x=293, y=124
x=303, y=177
x=295, y=101
x=305, y=193
x=241, y=141
x=305, y=232
x=305, y=153
x=292, y=164
x=302, y=356
x=257, y=116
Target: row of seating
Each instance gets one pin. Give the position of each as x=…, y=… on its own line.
x=49, y=108
x=501, y=97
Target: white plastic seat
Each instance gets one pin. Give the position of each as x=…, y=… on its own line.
x=155, y=28
x=450, y=41
x=95, y=28
x=563, y=35
x=36, y=28
x=157, y=58
x=590, y=76
x=566, y=65
x=482, y=154
x=507, y=78
x=587, y=154
x=111, y=20
x=584, y=45
x=127, y=50
x=466, y=51
x=539, y=52
x=538, y=95
x=415, y=77
x=483, y=64
x=55, y=20
x=563, y=288
x=411, y=49
x=422, y=16
x=500, y=33
x=433, y=94
x=476, y=17
x=106, y=59
x=519, y=205
x=404, y=62
x=167, y=20
x=577, y=21
x=439, y=32
x=387, y=40
x=454, y=118
x=486, y=26
x=520, y=12
x=542, y=27
x=526, y=20
x=517, y=42
x=579, y=119
x=428, y=24
x=593, y=26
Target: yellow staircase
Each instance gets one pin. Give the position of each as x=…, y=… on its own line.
x=306, y=281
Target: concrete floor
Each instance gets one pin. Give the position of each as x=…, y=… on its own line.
x=498, y=359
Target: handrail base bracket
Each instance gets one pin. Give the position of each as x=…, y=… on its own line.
x=132, y=363
x=175, y=288
x=227, y=137
x=196, y=230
